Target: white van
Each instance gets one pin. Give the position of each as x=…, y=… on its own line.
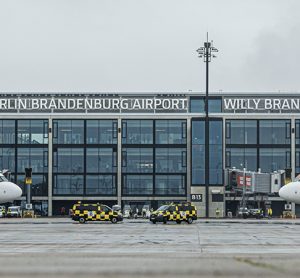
x=14, y=211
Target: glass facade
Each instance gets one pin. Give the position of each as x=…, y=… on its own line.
x=68, y=131
x=170, y=185
x=297, y=135
x=68, y=160
x=151, y=151
x=297, y=141
x=24, y=144
x=32, y=132
x=215, y=152
x=137, y=132
x=197, y=105
x=170, y=131
x=85, y=157
x=101, y=131
x=7, y=131
x=101, y=160
x=275, y=132
x=170, y=160
x=7, y=158
x=37, y=158
x=103, y=184
x=138, y=184
x=242, y=158
x=148, y=153
x=254, y=144
x=198, y=152
x=71, y=184
x=241, y=132
x=273, y=159
x=297, y=161
x=148, y=158
x=137, y=160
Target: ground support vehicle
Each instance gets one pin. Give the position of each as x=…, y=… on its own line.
x=175, y=212
x=2, y=211
x=127, y=211
x=94, y=212
x=250, y=213
x=14, y=211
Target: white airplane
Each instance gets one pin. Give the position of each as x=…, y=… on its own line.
x=291, y=192
x=9, y=191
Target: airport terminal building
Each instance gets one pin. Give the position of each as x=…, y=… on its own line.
x=145, y=148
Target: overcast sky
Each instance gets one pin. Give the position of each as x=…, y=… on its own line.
x=148, y=46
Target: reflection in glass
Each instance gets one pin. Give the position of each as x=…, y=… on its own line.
x=274, y=131
x=68, y=131
x=241, y=158
x=215, y=132
x=39, y=185
x=170, y=131
x=101, y=185
x=198, y=132
x=215, y=152
x=215, y=105
x=197, y=105
x=101, y=131
x=137, y=184
x=101, y=160
x=36, y=158
x=170, y=160
x=32, y=132
x=7, y=159
x=297, y=125
x=198, y=164
x=68, y=185
x=273, y=159
x=297, y=161
x=215, y=164
x=170, y=185
x=137, y=132
x=137, y=160
x=241, y=132
x=198, y=152
x=68, y=160
x=7, y=132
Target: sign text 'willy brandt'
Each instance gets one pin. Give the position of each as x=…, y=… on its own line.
x=262, y=104
x=97, y=104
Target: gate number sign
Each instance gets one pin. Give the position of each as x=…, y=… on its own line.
x=196, y=197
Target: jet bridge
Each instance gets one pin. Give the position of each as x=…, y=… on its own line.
x=252, y=189
x=254, y=182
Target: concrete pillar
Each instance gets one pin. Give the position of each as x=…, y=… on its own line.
x=188, y=159
x=50, y=168
x=119, y=164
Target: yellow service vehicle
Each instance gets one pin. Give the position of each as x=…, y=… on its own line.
x=175, y=212
x=94, y=212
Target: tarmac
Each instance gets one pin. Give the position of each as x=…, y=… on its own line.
x=59, y=247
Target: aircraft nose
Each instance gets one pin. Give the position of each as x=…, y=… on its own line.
x=17, y=191
x=283, y=192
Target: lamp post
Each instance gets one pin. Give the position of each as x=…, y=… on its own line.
x=206, y=52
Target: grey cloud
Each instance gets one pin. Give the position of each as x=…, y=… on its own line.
x=141, y=45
